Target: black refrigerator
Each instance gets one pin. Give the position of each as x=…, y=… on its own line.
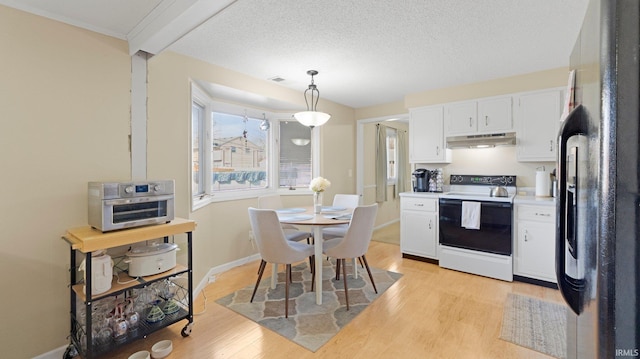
x=598, y=209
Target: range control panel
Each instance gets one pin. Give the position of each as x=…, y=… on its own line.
x=481, y=180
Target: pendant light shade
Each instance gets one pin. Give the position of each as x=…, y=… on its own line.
x=312, y=117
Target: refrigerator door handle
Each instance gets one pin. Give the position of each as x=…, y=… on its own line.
x=570, y=288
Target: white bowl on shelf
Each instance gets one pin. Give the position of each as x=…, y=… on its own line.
x=161, y=349
x=140, y=355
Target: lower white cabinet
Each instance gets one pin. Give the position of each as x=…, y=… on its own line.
x=419, y=226
x=535, y=242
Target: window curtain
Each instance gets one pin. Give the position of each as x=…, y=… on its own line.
x=401, y=166
x=381, y=163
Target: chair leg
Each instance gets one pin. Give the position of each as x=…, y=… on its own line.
x=360, y=260
x=260, y=272
x=287, y=278
x=364, y=259
x=313, y=272
x=338, y=262
x=346, y=290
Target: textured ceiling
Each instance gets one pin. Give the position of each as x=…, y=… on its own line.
x=373, y=52
x=367, y=52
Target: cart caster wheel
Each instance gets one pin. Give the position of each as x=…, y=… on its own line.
x=186, y=330
x=70, y=353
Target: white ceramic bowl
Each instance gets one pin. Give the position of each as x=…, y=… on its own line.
x=161, y=349
x=140, y=355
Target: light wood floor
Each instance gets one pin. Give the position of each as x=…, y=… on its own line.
x=428, y=313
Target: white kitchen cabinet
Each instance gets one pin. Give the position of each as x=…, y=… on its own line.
x=426, y=136
x=461, y=118
x=487, y=115
x=495, y=115
x=537, y=117
x=535, y=242
x=419, y=226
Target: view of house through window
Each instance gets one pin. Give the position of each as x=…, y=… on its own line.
x=242, y=152
x=238, y=153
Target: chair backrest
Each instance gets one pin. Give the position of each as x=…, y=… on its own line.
x=356, y=240
x=270, y=201
x=269, y=236
x=346, y=200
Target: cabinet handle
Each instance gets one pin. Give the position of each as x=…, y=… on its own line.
x=526, y=233
x=419, y=204
x=550, y=145
x=470, y=122
x=429, y=224
x=486, y=120
x=437, y=150
x=543, y=214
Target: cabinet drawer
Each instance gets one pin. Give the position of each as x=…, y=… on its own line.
x=420, y=204
x=537, y=213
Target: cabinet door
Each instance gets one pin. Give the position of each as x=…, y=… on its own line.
x=418, y=233
x=495, y=114
x=537, y=123
x=535, y=256
x=461, y=118
x=426, y=137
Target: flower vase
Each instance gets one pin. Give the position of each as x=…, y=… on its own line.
x=317, y=202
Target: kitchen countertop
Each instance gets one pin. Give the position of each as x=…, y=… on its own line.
x=543, y=201
x=421, y=194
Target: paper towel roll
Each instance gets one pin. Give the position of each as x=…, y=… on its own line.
x=543, y=184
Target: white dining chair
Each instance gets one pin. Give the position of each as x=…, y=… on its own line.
x=275, y=248
x=291, y=232
x=354, y=244
x=349, y=201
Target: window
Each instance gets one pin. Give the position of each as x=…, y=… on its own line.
x=232, y=157
x=392, y=155
x=295, y=155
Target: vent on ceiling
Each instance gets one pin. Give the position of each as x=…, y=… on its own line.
x=277, y=79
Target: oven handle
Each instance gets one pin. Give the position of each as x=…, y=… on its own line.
x=451, y=201
x=119, y=201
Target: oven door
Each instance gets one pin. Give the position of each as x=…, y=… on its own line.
x=137, y=211
x=494, y=235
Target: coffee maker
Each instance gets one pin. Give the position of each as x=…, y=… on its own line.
x=421, y=180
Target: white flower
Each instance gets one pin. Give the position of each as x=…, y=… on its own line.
x=319, y=184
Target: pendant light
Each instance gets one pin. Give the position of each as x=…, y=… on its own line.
x=311, y=117
x=264, y=125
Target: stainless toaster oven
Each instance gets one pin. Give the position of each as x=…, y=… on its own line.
x=119, y=205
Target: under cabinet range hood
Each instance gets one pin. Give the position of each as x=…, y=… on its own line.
x=480, y=141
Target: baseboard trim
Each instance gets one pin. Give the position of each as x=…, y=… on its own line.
x=542, y=283
x=421, y=259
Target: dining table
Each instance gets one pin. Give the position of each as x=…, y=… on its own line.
x=305, y=216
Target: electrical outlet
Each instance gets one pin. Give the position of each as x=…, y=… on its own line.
x=251, y=237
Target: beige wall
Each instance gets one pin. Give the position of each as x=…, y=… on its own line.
x=64, y=115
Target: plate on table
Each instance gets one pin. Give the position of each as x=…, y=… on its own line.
x=343, y=217
x=290, y=210
x=328, y=209
x=295, y=218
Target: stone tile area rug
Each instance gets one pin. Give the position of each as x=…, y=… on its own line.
x=535, y=324
x=309, y=325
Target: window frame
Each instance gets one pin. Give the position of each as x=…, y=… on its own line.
x=211, y=105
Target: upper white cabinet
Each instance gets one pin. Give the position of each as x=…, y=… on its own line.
x=488, y=115
x=426, y=135
x=462, y=118
x=537, y=117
